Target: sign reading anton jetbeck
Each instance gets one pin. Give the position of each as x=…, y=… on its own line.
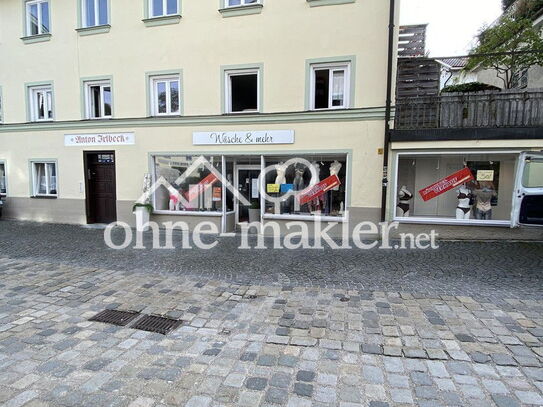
x=201, y=138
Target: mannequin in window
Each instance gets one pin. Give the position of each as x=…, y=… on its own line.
x=335, y=168
x=298, y=183
x=316, y=205
x=281, y=169
x=404, y=196
x=317, y=167
x=483, y=200
x=463, y=210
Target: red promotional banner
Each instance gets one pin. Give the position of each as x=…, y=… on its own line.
x=319, y=189
x=203, y=185
x=446, y=184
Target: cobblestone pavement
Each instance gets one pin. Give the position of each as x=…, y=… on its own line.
x=275, y=340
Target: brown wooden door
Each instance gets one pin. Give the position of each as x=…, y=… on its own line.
x=101, y=190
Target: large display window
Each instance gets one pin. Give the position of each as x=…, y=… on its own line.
x=327, y=195
x=194, y=181
x=470, y=187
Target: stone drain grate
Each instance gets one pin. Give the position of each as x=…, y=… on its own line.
x=119, y=318
x=153, y=323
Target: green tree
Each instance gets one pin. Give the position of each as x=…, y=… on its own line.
x=514, y=44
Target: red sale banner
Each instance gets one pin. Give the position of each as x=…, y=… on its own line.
x=446, y=184
x=319, y=189
x=203, y=185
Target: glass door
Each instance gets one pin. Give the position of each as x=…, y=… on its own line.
x=247, y=184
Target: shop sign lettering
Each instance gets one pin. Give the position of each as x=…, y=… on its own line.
x=242, y=137
x=446, y=184
x=103, y=139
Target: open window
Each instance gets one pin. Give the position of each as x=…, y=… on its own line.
x=242, y=91
x=528, y=192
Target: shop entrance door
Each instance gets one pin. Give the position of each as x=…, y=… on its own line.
x=246, y=182
x=100, y=187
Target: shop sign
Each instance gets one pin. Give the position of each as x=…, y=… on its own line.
x=319, y=189
x=446, y=184
x=485, y=175
x=217, y=194
x=101, y=139
x=200, y=138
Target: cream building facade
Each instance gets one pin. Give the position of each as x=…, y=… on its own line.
x=97, y=93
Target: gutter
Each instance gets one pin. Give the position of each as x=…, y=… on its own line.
x=388, y=108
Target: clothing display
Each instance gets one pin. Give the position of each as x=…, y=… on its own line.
x=483, y=201
x=463, y=210
x=298, y=183
x=281, y=169
x=404, y=196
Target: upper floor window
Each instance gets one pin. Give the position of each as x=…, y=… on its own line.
x=160, y=8
x=242, y=91
x=330, y=86
x=235, y=3
x=94, y=13
x=41, y=103
x=37, y=17
x=165, y=95
x=98, y=99
x=44, y=178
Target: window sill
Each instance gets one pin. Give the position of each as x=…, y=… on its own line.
x=241, y=10
x=309, y=218
x=44, y=197
x=99, y=29
x=162, y=20
x=317, y=3
x=187, y=213
x=36, y=38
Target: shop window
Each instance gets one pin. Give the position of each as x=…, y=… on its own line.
x=165, y=95
x=161, y=8
x=236, y=3
x=94, y=13
x=199, y=186
x=330, y=86
x=98, y=99
x=470, y=187
x=242, y=91
x=37, y=17
x=41, y=103
x=328, y=198
x=3, y=182
x=1, y=107
x=44, y=179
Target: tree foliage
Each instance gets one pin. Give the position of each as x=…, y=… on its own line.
x=469, y=87
x=516, y=42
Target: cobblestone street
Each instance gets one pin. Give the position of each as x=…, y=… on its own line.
x=457, y=326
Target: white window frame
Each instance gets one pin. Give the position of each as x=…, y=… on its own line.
x=154, y=81
x=27, y=19
x=3, y=163
x=243, y=3
x=88, y=96
x=228, y=88
x=46, y=169
x=46, y=91
x=332, y=67
x=96, y=14
x=164, y=9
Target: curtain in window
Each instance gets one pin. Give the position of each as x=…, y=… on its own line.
x=338, y=88
x=51, y=178
x=2, y=179
x=39, y=182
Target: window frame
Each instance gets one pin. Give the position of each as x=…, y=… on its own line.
x=228, y=73
x=33, y=92
x=346, y=66
x=96, y=14
x=33, y=169
x=164, y=8
x=103, y=83
x=153, y=93
x=28, y=31
x=3, y=163
x=243, y=3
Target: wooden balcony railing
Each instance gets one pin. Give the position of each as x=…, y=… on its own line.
x=508, y=108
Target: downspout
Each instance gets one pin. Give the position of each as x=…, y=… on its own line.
x=388, y=107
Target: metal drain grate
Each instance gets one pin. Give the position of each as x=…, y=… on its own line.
x=111, y=316
x=157, y=324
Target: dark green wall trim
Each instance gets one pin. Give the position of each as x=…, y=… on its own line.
x=346, y=115
x=499, y=133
